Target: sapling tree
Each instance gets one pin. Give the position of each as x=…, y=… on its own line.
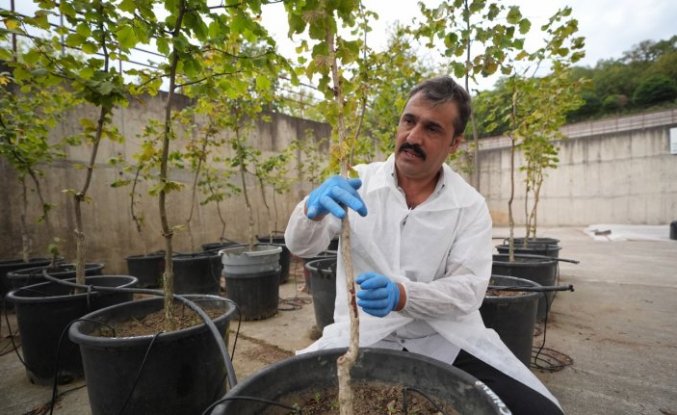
x=272, y=172
x=548, y=100
x=32, y=101
x=526, y=123
x=332, y=58
x=476, y=38
x=90, y=27
x=191, y=31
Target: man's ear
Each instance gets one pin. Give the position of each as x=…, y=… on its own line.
x=455, y=143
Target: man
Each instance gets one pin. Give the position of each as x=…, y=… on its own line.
x=421, y=248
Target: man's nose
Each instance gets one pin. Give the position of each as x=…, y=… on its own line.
x=415, y=135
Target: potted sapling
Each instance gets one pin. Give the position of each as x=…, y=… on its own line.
x=45, y=310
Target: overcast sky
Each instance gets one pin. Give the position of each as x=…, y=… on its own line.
x=609, y=26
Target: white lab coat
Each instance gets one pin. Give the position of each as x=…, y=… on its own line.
x=441, y=253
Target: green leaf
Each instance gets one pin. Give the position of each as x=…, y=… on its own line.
x=263, y=83
x=514, y=15
x=126, y=36
x=90, y=48
x=525, y=26
x=83, y=30
x=162, y=46
x=127, y=6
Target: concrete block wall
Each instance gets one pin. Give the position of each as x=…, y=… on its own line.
x=109, y=228
x=617, y=170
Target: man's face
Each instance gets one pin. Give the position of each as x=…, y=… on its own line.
x=425, y=137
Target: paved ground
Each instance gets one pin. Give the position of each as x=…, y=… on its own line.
x=618, y=327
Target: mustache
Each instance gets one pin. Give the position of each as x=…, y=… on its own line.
x=414, y=148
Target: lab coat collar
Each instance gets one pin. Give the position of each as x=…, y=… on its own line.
x=451, y=190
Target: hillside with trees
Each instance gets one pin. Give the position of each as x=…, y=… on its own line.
x=643, y=79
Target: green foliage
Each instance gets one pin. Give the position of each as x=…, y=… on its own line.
x=616, y=80
x=654, y=90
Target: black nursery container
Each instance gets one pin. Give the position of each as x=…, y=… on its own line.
x=147, y=268
x=44, y=310
x=540, y=269
x=28, y=276
x=512, y=317
x=323, y=283
x=11, y=265
x=182, y=373
x=198, y=273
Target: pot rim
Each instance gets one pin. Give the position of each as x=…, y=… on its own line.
x=76, y=334
x=16, y=297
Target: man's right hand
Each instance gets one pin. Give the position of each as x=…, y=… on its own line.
x=331, y=197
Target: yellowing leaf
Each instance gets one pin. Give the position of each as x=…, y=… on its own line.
x=11, y=24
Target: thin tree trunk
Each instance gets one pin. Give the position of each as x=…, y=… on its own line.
x=511, y=220
x=80, y=197
x=167, y=231
x=473, y=121
x=268, y=214
x=25, y=239
x=347, y=361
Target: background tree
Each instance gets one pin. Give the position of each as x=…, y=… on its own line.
x=32, y=101
x=478, y=37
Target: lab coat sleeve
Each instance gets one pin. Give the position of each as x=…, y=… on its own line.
x=306, y=238
x=468, y=270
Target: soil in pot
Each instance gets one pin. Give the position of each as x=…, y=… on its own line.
x=155, y=322
x=369, y=398
x=316, y=372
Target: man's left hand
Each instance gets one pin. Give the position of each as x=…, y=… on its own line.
x=378, y=295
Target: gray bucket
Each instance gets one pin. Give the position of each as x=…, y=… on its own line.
x=239, y=260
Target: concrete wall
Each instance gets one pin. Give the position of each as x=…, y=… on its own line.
x=611, y=171
x=110, y=231
x=617, y=170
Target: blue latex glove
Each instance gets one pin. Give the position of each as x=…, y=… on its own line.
x=378, y=295
x=332, y=195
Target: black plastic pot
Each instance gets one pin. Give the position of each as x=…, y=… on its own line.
x=44, y=310
x=540, y=269
x=306, y=271
x=147, y=268
x=215, y=246
x=183, y=373
x=253, y=280
x=11, y=265
x=512, y=317
x=317, y=371
x=323, y=280
x=285, y=255
x=533, y=246
x=198, y=273
x=29, y=276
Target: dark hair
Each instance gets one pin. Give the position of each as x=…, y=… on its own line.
x=444, y=89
